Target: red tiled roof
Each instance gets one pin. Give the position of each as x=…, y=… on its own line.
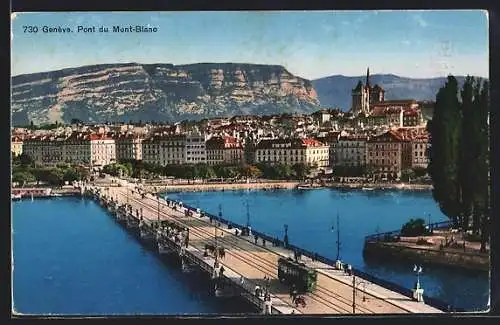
x=312, y=142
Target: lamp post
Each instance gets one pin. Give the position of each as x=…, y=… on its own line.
x=418, y=292
x=248, y=219
x=285, y=238
x=429, y=222
x=355, y=283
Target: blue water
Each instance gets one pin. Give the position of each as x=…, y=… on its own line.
x=70, y=257
x=311, y=214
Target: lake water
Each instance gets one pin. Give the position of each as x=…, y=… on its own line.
x=71, y=257
x=311, y=214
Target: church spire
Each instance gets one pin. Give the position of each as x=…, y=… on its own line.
x=368, y=77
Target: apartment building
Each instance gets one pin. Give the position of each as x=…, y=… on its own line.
x=224, y=150
x=128, y=147
x=46, y=150
x=195, y=151
x=164, y=150
x=102, y=150
x=351, y=151
x=77, y=149
x=292, y=151
x=388, y=154
x=16, y=146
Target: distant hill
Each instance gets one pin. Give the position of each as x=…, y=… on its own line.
x=335, y=91
x=158, y=92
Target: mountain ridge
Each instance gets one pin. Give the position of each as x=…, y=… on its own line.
x=166, y=92
x=161, y=92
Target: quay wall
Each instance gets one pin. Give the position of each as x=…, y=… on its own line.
x=224, y=187
x=466, y=260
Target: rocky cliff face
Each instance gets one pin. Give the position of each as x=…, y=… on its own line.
x=158, y=92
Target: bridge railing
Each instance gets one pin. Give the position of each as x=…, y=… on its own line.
x=434, y=302
x=390, y=234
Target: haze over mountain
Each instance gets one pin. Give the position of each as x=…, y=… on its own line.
x=169, y=93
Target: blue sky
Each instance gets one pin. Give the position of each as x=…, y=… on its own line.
x=310, y=44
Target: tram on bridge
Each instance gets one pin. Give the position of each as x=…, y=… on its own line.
x=291, y=272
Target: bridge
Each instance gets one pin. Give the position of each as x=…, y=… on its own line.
x=165, y=224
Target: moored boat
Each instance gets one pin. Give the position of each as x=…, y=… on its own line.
x=17, y=197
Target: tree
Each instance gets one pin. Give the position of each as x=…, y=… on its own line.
x=407, y=174
x=481, y=181
x=23, y=177
x=467, y=152
x=301, y=170
x=251, y=171
x=414, y=228
x=444, y=152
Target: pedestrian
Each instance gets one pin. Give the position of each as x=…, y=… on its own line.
x=256, y=238
x=263, y=242
x=257, y=288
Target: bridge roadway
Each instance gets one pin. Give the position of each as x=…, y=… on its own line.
x=334, y=292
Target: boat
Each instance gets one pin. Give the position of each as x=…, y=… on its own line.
x=305, y=187
x=17, y=197
x=367, y=188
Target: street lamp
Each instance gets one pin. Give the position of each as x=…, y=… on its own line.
x=356, y=283
x=248, y=219
x=429, y=222
x=418, y=292
x=285, y=239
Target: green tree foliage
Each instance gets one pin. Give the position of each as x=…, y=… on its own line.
x=23, y=177
x=459, y=155
x=116, y=170
x=445, y=134
x=414, y=228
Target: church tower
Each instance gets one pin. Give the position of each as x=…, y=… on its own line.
x=363, y=96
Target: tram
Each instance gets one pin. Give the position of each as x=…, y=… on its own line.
x=291, y=273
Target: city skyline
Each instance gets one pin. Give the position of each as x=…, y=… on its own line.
x=414, y=44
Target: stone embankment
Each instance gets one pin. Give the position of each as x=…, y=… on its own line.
x=472, y=260
x=382, y=186
x=223, y=187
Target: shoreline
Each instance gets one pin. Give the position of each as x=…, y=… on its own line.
x=280, y=185
x=227, y=187
x=382, y=186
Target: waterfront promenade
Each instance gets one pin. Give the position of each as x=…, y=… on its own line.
x=244, y=258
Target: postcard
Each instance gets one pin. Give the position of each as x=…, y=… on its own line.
x=250, y=162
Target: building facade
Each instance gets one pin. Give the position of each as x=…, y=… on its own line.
x=102, y=150
x=292, y=151
x=195, y=151
x=77, y=149
x=388, y=154
x=128, y=147
x=46, y=150
x=224, y=150
x=351, y=151
x=16, y=146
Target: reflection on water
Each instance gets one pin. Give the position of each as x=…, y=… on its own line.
x=311, y=214
x=70, y=257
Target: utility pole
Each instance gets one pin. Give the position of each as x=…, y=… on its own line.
x=338, y=237
x=158, y=207
x=248, y=219
x=217, y=223
x=353, y=294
